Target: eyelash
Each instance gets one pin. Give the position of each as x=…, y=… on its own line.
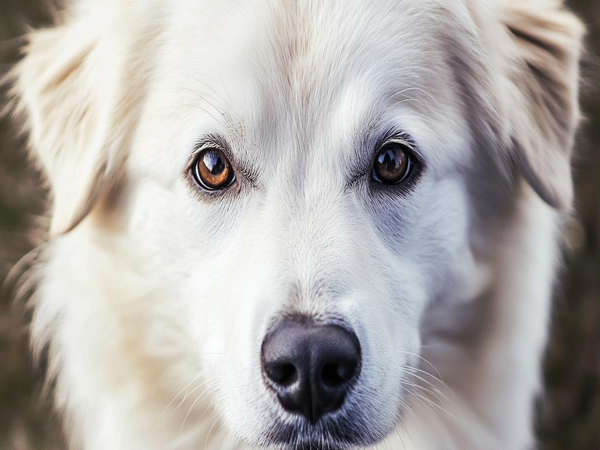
x=365, y=169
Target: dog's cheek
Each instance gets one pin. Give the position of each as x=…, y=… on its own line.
x=388, y=295
x=430, y=228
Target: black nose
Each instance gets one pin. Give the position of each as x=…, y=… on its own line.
x=310, y=367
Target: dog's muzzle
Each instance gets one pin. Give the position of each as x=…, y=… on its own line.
x=310, y=367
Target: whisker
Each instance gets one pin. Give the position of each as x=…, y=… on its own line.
x=420, y=90
x=203, y=98
x=194, y=404
x=195, y=378
x=421, y=358
x=200, y=108
x=214, y=422
x=224, y=102
x=435, y=407
x=203, y=383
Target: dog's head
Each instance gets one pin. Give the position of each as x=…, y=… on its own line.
x=296, y=182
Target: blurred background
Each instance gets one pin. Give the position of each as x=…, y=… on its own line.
x=569, y=413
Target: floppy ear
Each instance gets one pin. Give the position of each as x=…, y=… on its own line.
x=68, y=87
x=545, y=71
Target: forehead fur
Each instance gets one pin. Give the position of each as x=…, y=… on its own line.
x=289, y=44
x=316, y=66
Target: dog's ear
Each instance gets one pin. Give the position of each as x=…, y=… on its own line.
x=67, y=88
x=545, y=71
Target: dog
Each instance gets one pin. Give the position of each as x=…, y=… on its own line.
x=298, y=224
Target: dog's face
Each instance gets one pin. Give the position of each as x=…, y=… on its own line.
x=293, y=172
x=302, y=181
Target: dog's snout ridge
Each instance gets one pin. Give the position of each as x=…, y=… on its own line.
x=310, y=367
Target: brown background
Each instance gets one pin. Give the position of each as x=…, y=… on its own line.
x=569, y=414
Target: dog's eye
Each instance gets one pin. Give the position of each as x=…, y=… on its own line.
x=392, y=164
x=212, y=170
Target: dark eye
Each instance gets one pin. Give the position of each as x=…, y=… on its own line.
x=212, y=170
x=392, y=164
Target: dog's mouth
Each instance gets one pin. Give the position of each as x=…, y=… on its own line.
x=341, y=433
x=358, y=424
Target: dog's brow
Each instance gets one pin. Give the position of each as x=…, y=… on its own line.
x=363, y=147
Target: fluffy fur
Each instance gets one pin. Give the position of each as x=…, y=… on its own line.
x=154, y=296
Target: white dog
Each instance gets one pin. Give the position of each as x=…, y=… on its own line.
x=300, y=224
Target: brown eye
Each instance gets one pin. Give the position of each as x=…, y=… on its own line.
x=212, y=170
x=392, y=163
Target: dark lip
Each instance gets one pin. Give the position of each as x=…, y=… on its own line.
x=340, y=431
x=349, y=428
x=292, y=439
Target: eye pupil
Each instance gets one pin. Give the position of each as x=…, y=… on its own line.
x=213, y=162
x=392, y=164
x=213, y=170
x=389, y=162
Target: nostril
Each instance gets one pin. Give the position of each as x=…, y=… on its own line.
x=282, y=374
x=334, y=374
x=289, y=375
x=331, y=374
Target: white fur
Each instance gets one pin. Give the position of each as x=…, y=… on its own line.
x=154, y=299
